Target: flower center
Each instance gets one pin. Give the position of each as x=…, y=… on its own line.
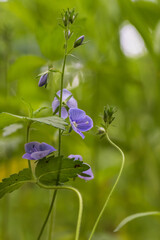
x=75, y=124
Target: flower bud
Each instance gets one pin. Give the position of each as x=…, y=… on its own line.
x=43, y=80
x=105, y=115
x=65, y=21
x=72, y=16
x=79, y=41
x=69, y=34
x=101, y=130
x=108, y=114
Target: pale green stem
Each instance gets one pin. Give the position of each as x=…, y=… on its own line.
x=49, y=212
x=50, y=229
x=115, y=184
x=80, y=204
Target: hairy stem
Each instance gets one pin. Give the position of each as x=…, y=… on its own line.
x=80, y=204
x=115, y=184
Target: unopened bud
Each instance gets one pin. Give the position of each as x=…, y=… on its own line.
x=79, y=41
x=101, y=130
x=43, y=80
x=108, y=114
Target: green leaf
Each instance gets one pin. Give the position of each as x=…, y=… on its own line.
x=47, y=169
x=54, y=121
x=134, y=216
x=15, y=181
x=8, y=119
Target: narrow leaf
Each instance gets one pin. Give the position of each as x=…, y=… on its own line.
x=134, y=216
x=47, y=169
x=15, y=181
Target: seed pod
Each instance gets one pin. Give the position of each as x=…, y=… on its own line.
x=79, y=41
x=43, y=80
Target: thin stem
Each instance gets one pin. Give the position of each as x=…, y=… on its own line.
x=48, y=214
x=59, y=141
x=27, y=140
x=60, y=104
x=115, y=184
x=80, y=205
x=50, y=229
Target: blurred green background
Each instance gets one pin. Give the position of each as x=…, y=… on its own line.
x=120, y=66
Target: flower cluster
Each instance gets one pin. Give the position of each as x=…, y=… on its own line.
x=68, y=101
x=69, y=16
x=37, y=151
x=80, y=122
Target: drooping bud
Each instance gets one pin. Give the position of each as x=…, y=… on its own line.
x=79, y=41
x=43, y=80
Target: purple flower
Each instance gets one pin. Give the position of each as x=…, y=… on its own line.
x=36, y=150
x=67, y=99
x=43, y=80
x=88, y=172
x=80, y=122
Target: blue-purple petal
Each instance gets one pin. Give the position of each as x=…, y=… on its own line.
x=88, y=172
x=76, y=114
x=27, y=156
x=64, y=113
x=44, y=146
x=32, y=147
x=85, y=124
x=72, y=103
x=43, y=80
x=76, y=130
x=65, y=94
x=36, y=150
x=40, y=154
x=55, y=104
x=76, y=157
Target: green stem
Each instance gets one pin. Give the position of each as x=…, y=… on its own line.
x=27, y=140
x=60, y=104
x=50, y=230
x=80, y=205
x=48, y=214
x=59, y=143
x=115, y=184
